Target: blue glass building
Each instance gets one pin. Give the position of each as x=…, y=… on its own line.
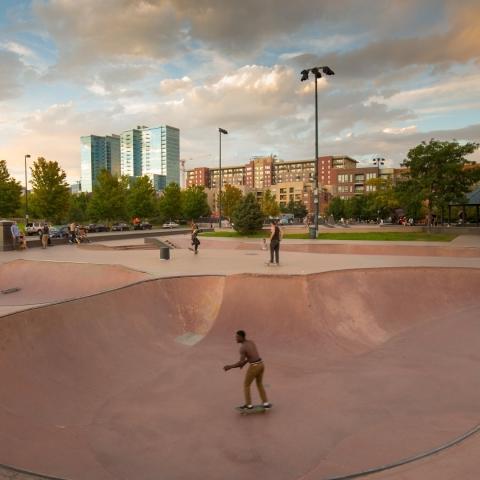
x=161, y=152
x=131, y=151
x=97, y=154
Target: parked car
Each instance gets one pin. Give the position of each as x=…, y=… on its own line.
x=33, y=228
x=97, y=227
x=59, y=231
x=120, y=227
x=53, y=232
x=170, y=225
x=142, y=226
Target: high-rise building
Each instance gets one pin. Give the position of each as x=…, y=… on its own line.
x=161, y=152
x=97, y=154
x=131, y=151
x=153, y=150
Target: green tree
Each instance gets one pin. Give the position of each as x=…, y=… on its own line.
x=50, y=193
x=383, y=200
x=247, y=217
x=79, y=207
x=170, y=204
x=109, y=198
x=231, y=198
x=10, y=192
x=410, y=200
x=194, y=203
x=270, y=206
x=141, y=198
x=336, y=207
x=439, y=171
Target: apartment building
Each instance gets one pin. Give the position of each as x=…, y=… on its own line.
x=259, y=172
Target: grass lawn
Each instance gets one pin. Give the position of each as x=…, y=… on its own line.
x=380, y=236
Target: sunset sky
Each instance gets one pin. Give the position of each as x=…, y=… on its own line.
x=406, y=71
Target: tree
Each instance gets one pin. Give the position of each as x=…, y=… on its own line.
x=440, y=173
x=10, y=192
x=410, y=200
x=141, y=198
x=336, y=208
x=231, y=198
x=299, y=209
x=247, y=217
x=79, y=207
x=383, y=201
x=109, y=198
x=194, y=202
x=170, y=205
x=270, y=206
x=50, y=193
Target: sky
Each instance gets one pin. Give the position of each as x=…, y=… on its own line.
x=405, y=71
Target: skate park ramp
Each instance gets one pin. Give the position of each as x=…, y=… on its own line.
x=46, y=282
x=364, y=367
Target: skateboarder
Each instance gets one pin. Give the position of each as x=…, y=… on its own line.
x=195, y=240
x=249, y=354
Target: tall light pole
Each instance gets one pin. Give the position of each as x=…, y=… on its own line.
x=26, y=189
x=317, y=74
x=220, y=131
x=378, y=162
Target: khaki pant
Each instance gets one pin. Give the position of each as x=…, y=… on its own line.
x=254, y=372
x=45, y=240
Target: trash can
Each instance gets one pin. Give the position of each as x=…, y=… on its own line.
x=164, y=253
x=6, y=239
x=312, y=232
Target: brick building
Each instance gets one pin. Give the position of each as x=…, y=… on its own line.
x=338, y=175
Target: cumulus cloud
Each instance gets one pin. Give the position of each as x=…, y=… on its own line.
x=10, y=74
x=17, y=48
x=174, y=85
x=200, y=64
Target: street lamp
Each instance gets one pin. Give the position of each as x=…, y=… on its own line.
x=220, y=131
x=316, y=74
x=26, y=189
x=378, y=162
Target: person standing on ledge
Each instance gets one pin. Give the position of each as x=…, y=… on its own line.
x=249, y=354
x=275, y=237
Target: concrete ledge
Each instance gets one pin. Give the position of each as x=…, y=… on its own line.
x=33, y=242
x=470, y=230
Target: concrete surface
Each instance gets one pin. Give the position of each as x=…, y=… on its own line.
x=366, y=364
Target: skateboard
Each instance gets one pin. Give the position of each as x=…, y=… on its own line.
x=255, y=409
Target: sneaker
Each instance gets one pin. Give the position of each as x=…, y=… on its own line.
x=246, y=407
x=267, y=405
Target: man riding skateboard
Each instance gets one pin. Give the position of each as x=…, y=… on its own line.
x=249, y=354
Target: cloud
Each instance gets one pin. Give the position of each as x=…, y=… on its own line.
x=20, y=50
x=203, y=64
x=88, y=31
x=175, y=85
x=400, y=130
x=10, y=75
x=460, y=43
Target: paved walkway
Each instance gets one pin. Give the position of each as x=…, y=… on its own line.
x=224, y=261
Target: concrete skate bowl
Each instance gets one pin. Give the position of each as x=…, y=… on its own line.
x=47, y=282
x=364, y=367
